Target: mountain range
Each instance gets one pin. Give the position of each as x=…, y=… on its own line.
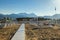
x=21, y=15
x=55, y=16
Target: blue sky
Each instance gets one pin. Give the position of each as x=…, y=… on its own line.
x=39, y=7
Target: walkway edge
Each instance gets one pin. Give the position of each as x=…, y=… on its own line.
x=20, y=34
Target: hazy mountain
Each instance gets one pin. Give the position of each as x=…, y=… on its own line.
x=56, y=16
x=47, y=16
x=1, y=16
x=19, y=15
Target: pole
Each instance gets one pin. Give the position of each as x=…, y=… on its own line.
x=55, y=13
x=37, y=21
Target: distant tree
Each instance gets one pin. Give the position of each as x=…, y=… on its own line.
x=41, y=18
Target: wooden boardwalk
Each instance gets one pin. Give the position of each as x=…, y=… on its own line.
x=20, y=34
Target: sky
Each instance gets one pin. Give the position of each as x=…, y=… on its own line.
x=38, y=7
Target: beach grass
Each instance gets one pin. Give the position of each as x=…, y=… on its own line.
x=34, y=33
x=8, y=32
